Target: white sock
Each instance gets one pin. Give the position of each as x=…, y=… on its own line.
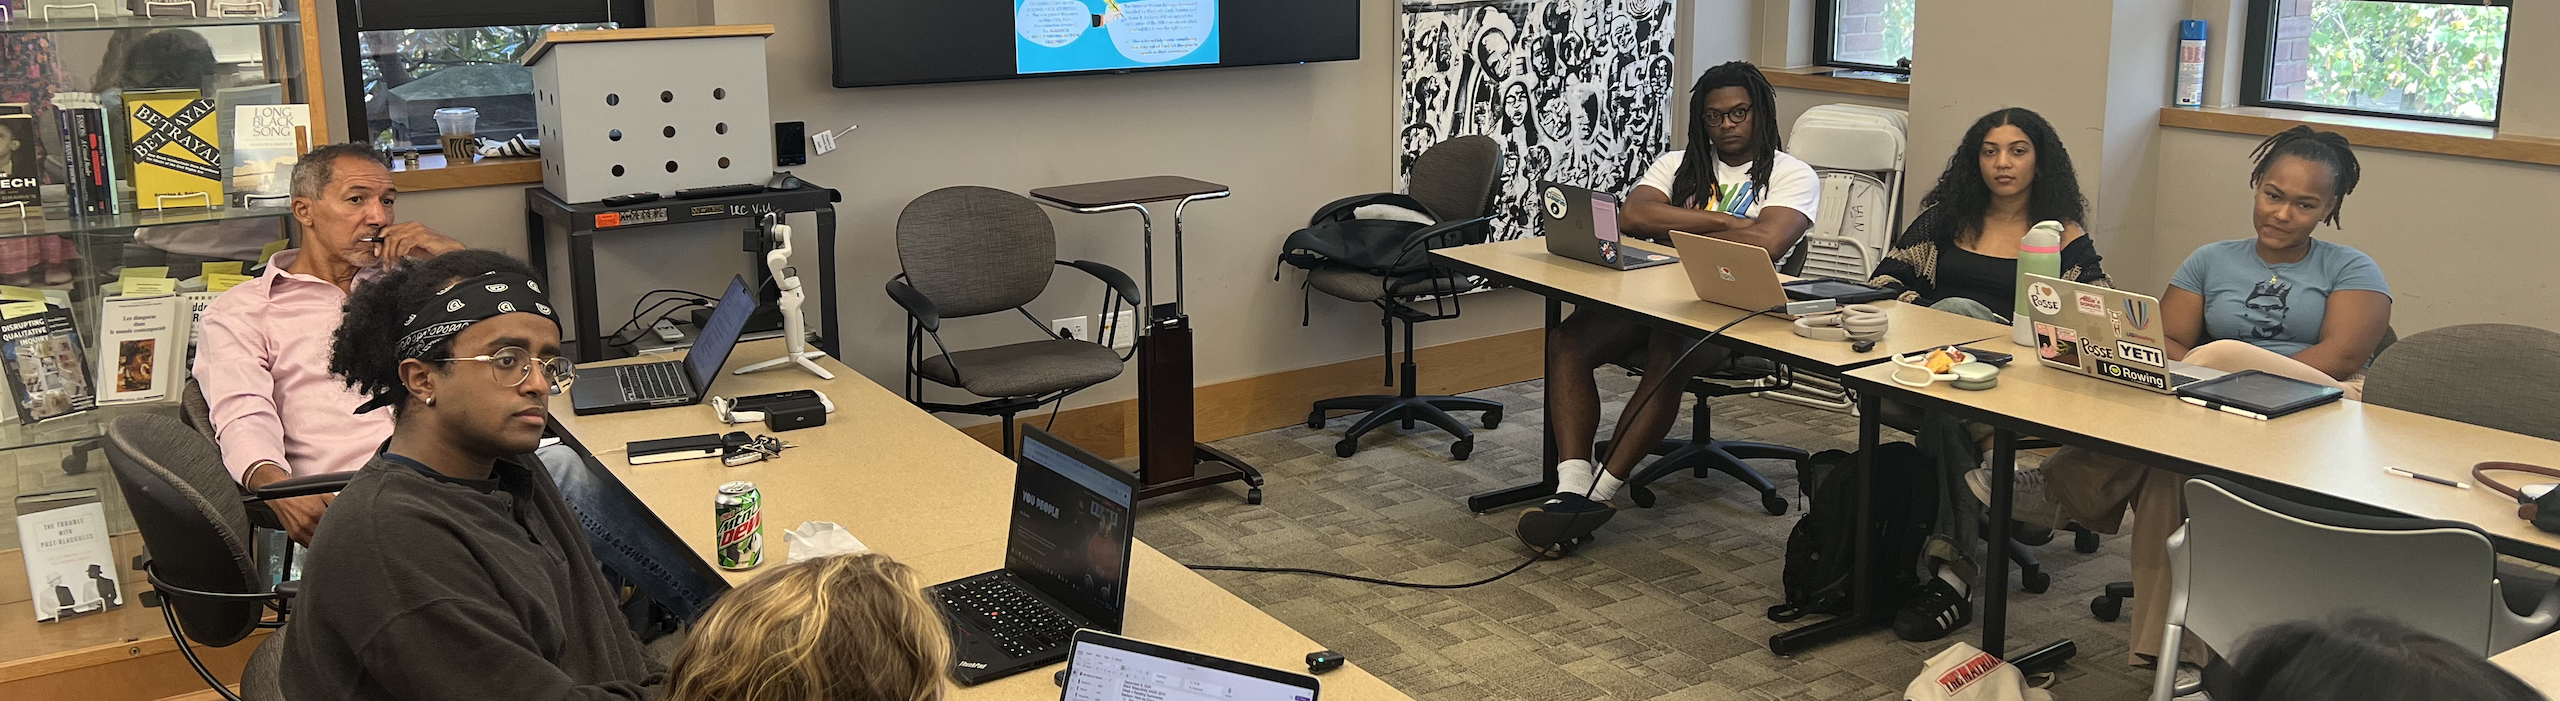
x=1948, y=575
x=1607, y=488
x=1575, y=476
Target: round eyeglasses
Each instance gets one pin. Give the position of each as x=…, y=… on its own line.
x=511, y=366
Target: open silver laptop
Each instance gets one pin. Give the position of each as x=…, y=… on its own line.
x=2106, y=333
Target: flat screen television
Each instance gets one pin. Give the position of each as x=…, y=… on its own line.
x=901, y=42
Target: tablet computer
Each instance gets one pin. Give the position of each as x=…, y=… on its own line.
x=2261, y=393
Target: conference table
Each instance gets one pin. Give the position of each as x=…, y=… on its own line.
x=2536, y=662
x=912, y=487
x=1662, y=298
x=2332, y=455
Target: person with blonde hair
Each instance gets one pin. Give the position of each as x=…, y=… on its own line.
x=835, y=628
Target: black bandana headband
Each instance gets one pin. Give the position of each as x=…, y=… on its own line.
x=464, y=303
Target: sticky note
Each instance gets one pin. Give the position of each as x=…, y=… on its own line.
x=147, y=286
x=221, y=282
x=14, y=310
x=21, y=294
x=225, y=267
x=272, y=248
x=143, y=271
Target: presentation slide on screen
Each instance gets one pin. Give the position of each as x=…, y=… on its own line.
x=1057, y=36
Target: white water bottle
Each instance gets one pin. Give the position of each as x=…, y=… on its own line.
x=2039, y=253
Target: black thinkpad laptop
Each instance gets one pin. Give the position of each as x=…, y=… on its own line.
x=674, y=382
x=1066, y=564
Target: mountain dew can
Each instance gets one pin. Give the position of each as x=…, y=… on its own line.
x=739, y=511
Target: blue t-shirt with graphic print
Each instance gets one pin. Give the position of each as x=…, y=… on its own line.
x=2276, y=306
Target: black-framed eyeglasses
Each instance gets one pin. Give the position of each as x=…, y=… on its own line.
x=1737, y=116
x=511, y=366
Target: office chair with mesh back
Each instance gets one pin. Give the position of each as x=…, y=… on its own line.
x=195, y=525
x=2246, y=560
x=970, y=250
x=1456, y=180
x=194, y=409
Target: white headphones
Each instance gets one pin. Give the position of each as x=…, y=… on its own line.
x=1856, y=322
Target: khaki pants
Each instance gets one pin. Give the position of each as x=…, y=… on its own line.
x=2097, y=490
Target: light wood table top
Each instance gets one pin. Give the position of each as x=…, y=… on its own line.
x=910, y=486
x=1664, y=294
x=2337, y=450
x=2536, y=662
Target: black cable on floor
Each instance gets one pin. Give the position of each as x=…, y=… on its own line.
x=1367, y=580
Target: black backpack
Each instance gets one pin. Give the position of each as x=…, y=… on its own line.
x=1820, y=551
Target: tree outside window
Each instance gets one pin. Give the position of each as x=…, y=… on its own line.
x=2423, y=59
x=410, y=73
x=1871, y=33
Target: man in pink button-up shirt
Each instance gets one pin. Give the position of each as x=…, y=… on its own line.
x=263, y=358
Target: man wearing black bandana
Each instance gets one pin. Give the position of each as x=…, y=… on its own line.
x=468, y=576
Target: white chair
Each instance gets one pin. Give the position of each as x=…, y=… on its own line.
x=2246, y=560
x=1859, y=152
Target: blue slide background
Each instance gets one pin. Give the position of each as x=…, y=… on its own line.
x=1094, y=51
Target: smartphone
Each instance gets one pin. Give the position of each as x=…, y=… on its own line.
x=790, y=143
x=1988, y=356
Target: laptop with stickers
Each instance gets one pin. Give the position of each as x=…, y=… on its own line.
x=1582, y=225
x=2106, y=333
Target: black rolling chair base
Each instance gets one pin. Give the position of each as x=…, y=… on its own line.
x=1720, y=456
x=1405, y=410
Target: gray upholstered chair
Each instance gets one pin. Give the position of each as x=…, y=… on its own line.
x=2246, y=560
x=194, y=409
x=195, y=525
x=2502, y=376
x=1456, y=180
x=968, y=251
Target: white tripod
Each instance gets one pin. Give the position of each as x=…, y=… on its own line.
x=795, y=332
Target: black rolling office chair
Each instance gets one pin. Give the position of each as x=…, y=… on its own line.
x=1456, y=181
x=195, y=524
x=1702, y=452
x=970, y=250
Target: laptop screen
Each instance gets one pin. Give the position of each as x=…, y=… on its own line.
x=1072, y=527
x=1106, y=668
x=719, y=334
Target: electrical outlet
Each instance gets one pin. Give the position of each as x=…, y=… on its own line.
x=1122, y=328
x=1072, y=327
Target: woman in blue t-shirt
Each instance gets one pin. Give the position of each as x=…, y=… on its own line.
x=2283, y=302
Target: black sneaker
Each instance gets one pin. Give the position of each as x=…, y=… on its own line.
x=1935, y=612
x=1562, y=523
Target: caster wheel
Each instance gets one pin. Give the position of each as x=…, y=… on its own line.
x=2084, y=541
x=1492, y=420
x=2106, y=608
x=1345, y=448
x=1253, y=495
x=1315, y=420
x=1643, y=497
x=2035, y=582
x=1462, y=449
x=1774, y=504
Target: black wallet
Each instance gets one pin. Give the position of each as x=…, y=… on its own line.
x=2260, y=393
x=708, y=445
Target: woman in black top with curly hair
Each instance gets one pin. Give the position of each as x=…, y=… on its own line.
x=1961, y=254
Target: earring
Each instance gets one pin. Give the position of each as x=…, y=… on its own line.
x=431, y=401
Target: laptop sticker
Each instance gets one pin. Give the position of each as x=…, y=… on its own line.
x=2137, y=353
x=2136, y=314
x=1554, y=199
x=2091, y=303
x=2134, y=375
x=1724, y=272
x=2042, y=297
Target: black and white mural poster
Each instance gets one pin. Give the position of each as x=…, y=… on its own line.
x=1577, y=91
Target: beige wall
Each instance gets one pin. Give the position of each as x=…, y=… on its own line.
x=1286, y=138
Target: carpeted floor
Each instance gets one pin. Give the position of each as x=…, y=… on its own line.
x=1668, y=604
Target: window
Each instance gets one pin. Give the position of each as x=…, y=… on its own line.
x=405, y=60
x=1865, y=34
x=2440, y=61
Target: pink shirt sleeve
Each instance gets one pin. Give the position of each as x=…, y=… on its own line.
x=232, y=366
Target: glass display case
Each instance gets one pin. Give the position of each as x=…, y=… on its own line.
x=118, y=168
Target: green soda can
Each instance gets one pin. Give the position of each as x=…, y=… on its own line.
x=741, y=517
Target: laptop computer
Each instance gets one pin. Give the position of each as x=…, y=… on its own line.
x=1066, y=564
x=2106, y=333
x=674, y=382
x=1737, y=275
x=1583, y=225
x=1106, y=667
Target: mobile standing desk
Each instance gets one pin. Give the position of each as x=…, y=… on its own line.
x=1170, y=457
x=542, y=210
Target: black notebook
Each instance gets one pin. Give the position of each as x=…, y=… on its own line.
x=2260, y=393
